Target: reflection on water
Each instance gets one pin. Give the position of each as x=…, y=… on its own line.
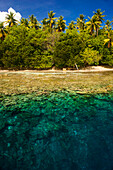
x=56, y=122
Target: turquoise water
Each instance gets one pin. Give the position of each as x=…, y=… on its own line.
x=56, y=131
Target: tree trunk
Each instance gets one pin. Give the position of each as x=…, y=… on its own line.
x=76, y=66
x=109, y=43
x=91, y=31
x=97, y=31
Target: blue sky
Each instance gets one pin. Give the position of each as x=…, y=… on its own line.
x=69, y=9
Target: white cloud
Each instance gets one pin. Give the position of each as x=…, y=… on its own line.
x=11, y=10
x=3, y=15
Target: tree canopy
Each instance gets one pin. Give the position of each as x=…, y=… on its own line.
x=30, y=44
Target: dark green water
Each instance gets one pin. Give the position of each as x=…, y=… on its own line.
x=56, y=131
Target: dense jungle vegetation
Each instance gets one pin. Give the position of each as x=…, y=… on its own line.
x=29, y=44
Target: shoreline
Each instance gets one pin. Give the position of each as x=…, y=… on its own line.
x=85, y=70
x=89, y=81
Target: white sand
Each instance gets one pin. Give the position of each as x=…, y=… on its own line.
x=87, y=69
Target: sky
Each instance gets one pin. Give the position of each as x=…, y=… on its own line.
x=70, y=9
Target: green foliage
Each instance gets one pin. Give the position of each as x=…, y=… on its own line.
x=71, y=25
x=61, y=24
x=25, y=48
x=10, y=19
x=108, y=60
x=31, y=45
x=1, y=53
x=69, y=45
x=97, y=43
x=90, y=57
x=107, y=57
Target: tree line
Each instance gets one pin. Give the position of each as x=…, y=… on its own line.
x=29, y=44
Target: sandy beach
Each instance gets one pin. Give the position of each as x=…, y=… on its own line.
x=87, y=69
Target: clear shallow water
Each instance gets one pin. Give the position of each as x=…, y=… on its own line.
x=56, y=131
x=13, y=83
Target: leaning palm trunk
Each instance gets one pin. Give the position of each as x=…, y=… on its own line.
x=76, y=66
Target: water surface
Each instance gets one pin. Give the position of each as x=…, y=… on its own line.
x=56, y=122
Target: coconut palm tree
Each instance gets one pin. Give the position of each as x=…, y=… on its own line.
x=108, y=29
x=36, y=24
x=24, y=22
x=31, y=18
x=72, y=25
x=3, y=31
x=61, y=24
x=108, y=25
x=10, y=19
x=51, y=20
x=100, y=17
x=33, y=23
x=81, y=22
x=44, y=23
x=93, y=24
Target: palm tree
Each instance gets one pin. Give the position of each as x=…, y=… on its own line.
x=44, y=23
x=108, y=25
x=51, y=20
x=3, y=31
x=108, y=28
x=10, y=19
x=61, y=24
x=72, y=25
x=33, y=22
x=81, y=22
x=100, y=17
x=31, y=18
x=36, y=24
x=93, y=24
x=24, y=22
